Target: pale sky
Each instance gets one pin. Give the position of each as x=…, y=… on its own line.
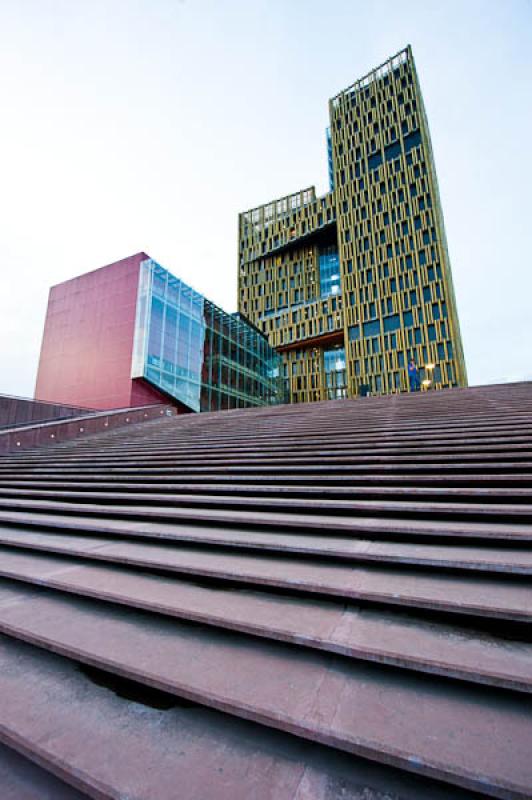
x=132, y=125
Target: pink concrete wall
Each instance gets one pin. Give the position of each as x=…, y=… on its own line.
x=88, y=339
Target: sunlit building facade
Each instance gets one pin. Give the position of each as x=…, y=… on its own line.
x=351, y=285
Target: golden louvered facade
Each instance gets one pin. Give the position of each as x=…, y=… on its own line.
x=351, y=285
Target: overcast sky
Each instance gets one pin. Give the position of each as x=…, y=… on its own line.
x=132, y=125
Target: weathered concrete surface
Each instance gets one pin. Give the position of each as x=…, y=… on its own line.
x=113, y=748
x=21, y=779
x=369, y=634
x=482, y=596
x=391, y=717
x=355, y=573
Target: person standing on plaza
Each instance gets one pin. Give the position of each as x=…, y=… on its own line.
x=413, y=376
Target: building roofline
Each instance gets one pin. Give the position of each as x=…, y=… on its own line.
x=140, y=253
x=286, y=197
x=376, y=72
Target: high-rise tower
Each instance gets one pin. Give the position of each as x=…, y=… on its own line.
x=351, y=285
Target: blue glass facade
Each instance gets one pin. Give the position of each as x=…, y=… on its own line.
x=195, y=352
x=330, y=282
x=335, y=375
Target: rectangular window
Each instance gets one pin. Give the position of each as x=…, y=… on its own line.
x=375, y=160
x=354, y=333
x=432, y=333
x=408, y=319
x=372, y=328
x=412, y=140
x=391, y=323
x=392, y=151
x=329, y=263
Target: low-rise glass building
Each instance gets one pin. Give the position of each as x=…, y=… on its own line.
x=131, y=334
x=192, y=350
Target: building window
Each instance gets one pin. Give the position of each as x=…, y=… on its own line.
x=391, y=323
x=392, y=151
x=374, y=161
x=329, y=263
x=335, y=372
x=412, y=140
x=372, y=328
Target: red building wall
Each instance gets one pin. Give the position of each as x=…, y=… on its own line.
x=88, y=340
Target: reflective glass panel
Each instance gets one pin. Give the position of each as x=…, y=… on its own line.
x=195, y=352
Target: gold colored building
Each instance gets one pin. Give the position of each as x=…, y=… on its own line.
x=351, y=285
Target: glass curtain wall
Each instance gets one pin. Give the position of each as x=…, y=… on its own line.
x=334, y=369
x=197, y=353
x=330, y=282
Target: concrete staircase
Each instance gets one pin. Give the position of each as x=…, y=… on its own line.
x=294, y=603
